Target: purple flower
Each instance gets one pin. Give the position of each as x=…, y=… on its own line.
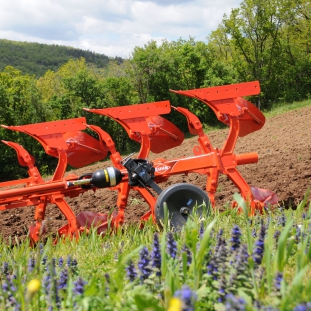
x=8, y=290
x=50, y=285
x=259, y=246
x=305, y=306
x=171, y=245
x=156, y=254
x=44, y=260
x=60, y=262
x=235, y=238
x=298, y=234
x=5, y=268
x=131, y=272
x=107, y=277
x=186, y=250
x=233, y=303
x=63, y=279
x=41, y=247
x=276, y=235
x=47, y=283
x=254, y=233
x=143, y=264
x=277, y=281
x=31, y=264
x=240, y=275
x=282, y=220
x=222, y=284
x=79, y=286
x=187, y=296
x=72, y=264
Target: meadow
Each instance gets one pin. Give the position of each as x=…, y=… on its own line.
x=218, y=261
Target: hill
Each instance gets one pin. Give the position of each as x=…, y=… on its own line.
x=37, y=58
x=283, y=146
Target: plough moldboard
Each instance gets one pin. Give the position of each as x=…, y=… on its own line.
x=143, y=123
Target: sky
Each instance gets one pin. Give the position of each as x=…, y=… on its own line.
x=110, y=27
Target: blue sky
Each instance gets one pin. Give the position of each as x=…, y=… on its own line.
x=111, y=27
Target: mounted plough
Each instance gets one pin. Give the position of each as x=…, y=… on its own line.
x=65, y=141
x=143, y=123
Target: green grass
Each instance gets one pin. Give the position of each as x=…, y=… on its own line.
x=271, y=270
x=283, y=108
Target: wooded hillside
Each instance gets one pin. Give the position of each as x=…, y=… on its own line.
x=38, y=58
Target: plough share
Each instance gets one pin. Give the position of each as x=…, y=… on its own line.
x=143, y=123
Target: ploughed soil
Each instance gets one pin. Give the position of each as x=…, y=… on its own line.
x=283, y=146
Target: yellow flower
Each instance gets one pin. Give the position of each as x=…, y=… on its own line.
x=32, y=287
x=175, y=304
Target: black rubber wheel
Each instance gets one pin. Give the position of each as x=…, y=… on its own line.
x=181, y=199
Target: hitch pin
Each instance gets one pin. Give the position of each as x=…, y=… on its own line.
x=78, y=182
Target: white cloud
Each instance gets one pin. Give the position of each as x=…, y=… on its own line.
x=112, y=27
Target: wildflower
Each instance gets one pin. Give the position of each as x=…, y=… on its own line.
x=63, y=279
x=219, y=240
x=220, y=233
x=175, y=304
x=235, y=238
x=276, y=236
x=305, y=306
x=47, y=283
x=79, y=286
x=72, y=264
x=222, y=288
x=31, y=264
x=44, y=260
x=32, y=287
x=131, y=272
x=233, y=303
x=60, y=262
x=221, y=252
x=107, y=277
x=156, y=254
x=282, y=220
x=187, y=296
x=186, y=250
x=8, y=290
x=277, y=281
x=143, y=264
x=254, y=233
x=240, y=276
x=41, y=247
x=212, y=269
x=298, y=234
x=5, y=268
x=219, y=257
x=259, y=249
x=171, y=245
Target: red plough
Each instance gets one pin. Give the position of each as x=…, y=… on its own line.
x=230, y=108
x=65, y=141
x=143, y=123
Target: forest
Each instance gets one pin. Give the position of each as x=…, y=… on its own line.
x=37, y=58
x=261, y=40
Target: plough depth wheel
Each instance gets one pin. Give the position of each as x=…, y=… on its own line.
x=182, y=200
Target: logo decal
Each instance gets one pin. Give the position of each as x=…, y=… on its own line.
x=161, y=168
